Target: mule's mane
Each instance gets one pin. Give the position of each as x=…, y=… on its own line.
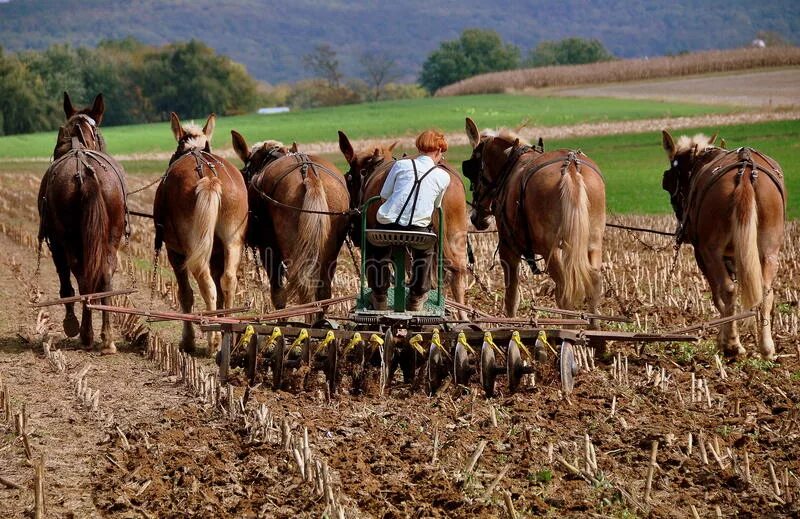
x=268, y=144
x=685, y=143
x=195, y=138
x=506, y=134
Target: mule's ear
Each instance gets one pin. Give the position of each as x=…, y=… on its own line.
x=393, y=145
x=713, y=139
x=293, y=149
x=175, y=124
x=208, y=129
x=723, y=144
x=98, y=109
x=473, y=134
x=240, y=146
x=376, y=154
x=69, y=110
x=668, y=144
x=346, y=148
x=516, y=143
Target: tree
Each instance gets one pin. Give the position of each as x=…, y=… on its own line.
x=379, y=69
x=476, y=51
x=569, y=51
x=323, y=63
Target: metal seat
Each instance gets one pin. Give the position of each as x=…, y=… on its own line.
x=392, y=238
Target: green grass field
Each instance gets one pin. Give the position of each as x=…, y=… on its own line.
x=382, y=119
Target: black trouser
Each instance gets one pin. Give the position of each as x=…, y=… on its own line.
x=379, y=259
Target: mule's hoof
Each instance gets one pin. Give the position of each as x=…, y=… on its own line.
x=71, y=326
x=111, y=349
x=187, y=346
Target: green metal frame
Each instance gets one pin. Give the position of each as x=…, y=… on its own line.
x=399, y=260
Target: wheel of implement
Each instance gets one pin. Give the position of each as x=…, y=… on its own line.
x=513, y=366
x=225, y=357
x=461, y=365
x=277, y=362
x=432, y=378
x=252, y=359
x=332, y=368
x=488, y=373
x=567, y=367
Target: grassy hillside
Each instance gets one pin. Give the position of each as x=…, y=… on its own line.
x=382, y=119
x=270, y=38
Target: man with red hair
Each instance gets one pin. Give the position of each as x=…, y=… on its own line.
x=413, y=190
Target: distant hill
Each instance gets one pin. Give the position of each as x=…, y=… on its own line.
x=270, y=38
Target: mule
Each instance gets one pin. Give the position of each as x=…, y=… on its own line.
x=551, y=204
x=731, y=206
x=367, y=174
x=200, y=213
x=83, y=215
x=299, y=215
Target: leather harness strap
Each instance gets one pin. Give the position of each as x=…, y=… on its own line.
x=744, y=160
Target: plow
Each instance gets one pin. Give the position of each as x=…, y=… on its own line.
x=430, y=348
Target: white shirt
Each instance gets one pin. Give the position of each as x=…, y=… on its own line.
x=399, y=186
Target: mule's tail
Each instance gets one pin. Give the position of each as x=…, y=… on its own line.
x=94, y=233
x=574, y=235
x=313, y=232
x=208, y=195
x=745, y=243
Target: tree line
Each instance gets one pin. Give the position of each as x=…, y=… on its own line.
x=142, y=83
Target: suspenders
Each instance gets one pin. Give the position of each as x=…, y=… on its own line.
x=414, y=193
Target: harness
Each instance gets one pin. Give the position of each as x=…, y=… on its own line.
x=302, y=163
x=81, y=155
x=499, y=193
x=744, y=160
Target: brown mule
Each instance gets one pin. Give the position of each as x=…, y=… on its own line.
x=200, y=213
x=83, y=215
x=368, y=171
x=298, y=218
x=552, y=204
x=731, y=205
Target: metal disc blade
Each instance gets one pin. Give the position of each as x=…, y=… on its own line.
x=567, y=367
x=332, y=367
x=513, y=366
x=252, y=359
x=277, y=362
x=488, y=372
x=433, y=379
x=461, y=365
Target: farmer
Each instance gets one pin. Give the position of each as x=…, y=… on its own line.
x=413, y=189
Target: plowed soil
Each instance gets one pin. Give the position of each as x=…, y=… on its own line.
x=154, y=449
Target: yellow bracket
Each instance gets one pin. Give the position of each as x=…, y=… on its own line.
x=245, y=338
x=462, y=340
x=329, y=338
x=415, y=341
x=487, y=338
x=352, y=344
x=518, y=341
x=303, y=335
x=375, y=340
x=435, y=340
x=543, y=338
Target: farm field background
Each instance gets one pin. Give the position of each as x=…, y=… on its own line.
x=381, y=120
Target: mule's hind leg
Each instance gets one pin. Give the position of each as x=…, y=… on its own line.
x=228, y=281
x=764, y=317
x=209, y=292
x=723, y=293
x=71, y=324
x=276, y=271
x=185, y=296
x=510, y=262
